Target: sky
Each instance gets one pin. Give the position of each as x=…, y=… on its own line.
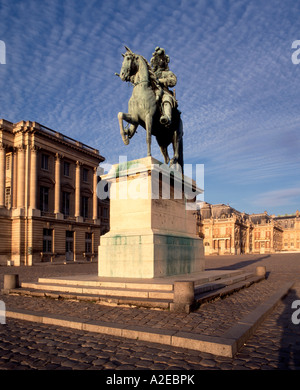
x=237, y=84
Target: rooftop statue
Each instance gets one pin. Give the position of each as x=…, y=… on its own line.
x=152, y=104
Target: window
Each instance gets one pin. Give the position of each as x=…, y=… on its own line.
x=8, y=159
x=66, y=203
x=45, y=162
x=85, y=206
x=66, y=168
x=85, y=174
x=47, y=240
x=44, y=198
x=69, y=233
x=8, y=197
x=69, y=245
x=88, y=242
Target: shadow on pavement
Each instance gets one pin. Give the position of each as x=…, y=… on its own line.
x=241, y=264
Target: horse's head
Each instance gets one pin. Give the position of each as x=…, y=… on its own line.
x=129, y=65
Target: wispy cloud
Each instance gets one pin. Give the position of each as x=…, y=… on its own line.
x=280, y=197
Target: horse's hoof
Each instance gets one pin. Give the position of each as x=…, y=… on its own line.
x=125, y=140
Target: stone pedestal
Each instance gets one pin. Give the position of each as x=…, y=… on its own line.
x=153, y=230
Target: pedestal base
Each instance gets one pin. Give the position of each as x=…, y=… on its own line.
x=152, y=231
x=149, y=255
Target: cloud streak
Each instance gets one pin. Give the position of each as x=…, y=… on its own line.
x=279, y=197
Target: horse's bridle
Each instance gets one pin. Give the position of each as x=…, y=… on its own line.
x=140, y=82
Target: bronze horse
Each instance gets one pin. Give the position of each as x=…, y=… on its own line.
x=144, y=109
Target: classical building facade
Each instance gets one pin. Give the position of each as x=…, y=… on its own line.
x=267, y=234
x=290, y=225
x=228, y=231
x=224, y=230
x=49, y=209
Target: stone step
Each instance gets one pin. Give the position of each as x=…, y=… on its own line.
x=109, y=284
x=165, y=284
x=222, y=282
x=103, y=291
x=209, y=295
x=159, y=301
x=130, y=289
x=103, y=299
x=143, y=293
x=215, y=277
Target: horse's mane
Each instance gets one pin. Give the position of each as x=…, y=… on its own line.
x=152, y=77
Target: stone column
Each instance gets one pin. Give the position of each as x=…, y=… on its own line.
x=2, y=174
x=57, y=184
x=95, y=198
x=33, y=178
x=77, y=188
x=21, y=178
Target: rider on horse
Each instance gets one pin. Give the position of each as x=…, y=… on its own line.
x=166, y=79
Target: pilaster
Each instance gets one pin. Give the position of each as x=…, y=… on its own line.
x=2, y=174
x=77, y=190
x=21, y=177
x=33, y=177
x=95, y=197
x=57, y=189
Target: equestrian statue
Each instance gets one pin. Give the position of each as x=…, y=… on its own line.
x=152, y=104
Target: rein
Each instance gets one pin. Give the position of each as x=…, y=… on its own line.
x=140, y=82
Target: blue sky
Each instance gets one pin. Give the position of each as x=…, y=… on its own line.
x=238, y=89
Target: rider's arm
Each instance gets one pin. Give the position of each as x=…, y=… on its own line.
x=169, y=79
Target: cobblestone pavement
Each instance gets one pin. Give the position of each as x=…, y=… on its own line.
x=275, y=344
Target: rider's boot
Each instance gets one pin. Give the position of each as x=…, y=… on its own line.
x=166, y=118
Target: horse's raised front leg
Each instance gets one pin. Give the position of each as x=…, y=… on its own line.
x=126, y=135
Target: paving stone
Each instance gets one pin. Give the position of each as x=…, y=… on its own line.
x=111, y=365
x=208, y=363
x=99, y=362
